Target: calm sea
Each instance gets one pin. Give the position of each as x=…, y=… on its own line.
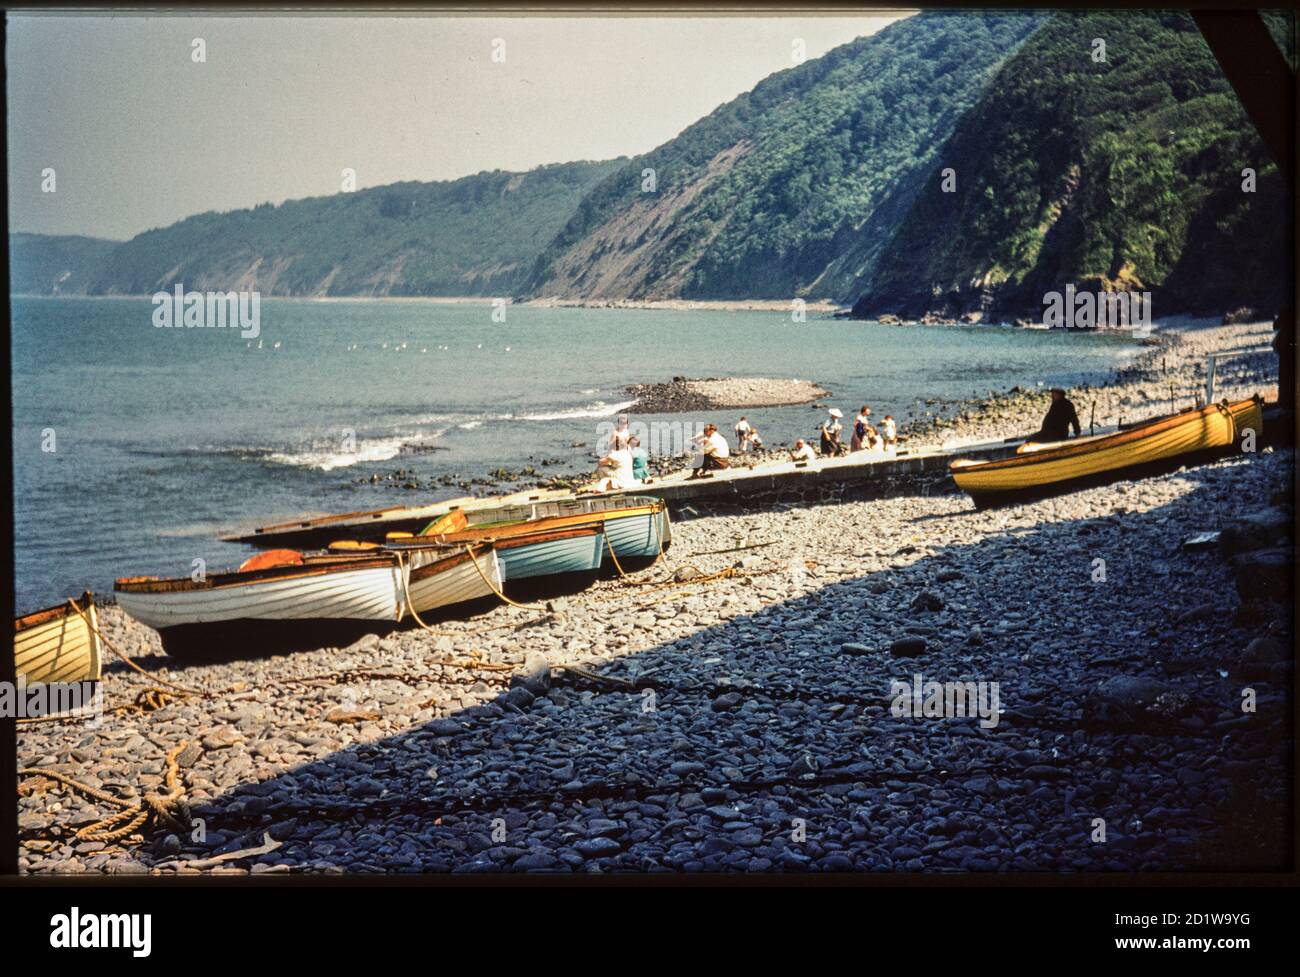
x=165, y=438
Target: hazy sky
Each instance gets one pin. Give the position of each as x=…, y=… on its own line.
x=140, y=135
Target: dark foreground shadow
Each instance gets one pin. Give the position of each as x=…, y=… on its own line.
x=769, y=742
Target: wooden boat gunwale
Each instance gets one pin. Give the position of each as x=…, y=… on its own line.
x=85, y=602
x=1116, y=440
x=510, y=529
x=529, y=539
x=79, y=612
x=219, y=581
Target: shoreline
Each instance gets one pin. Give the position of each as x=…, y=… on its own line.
x=773, y=700
x=821, y=307
x=1135, y=389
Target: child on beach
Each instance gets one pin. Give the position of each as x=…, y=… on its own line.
x=640, y=460
x=891, y=432
x=743, y=431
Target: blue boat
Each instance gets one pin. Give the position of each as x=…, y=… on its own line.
x=638, y=532
x=542, y=554
x=635, y=526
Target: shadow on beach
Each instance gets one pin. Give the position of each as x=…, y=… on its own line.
x=766, y=742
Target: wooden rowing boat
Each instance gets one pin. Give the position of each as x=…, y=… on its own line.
x=285, y=605
x=434, y=579
x=550, y=554
x=59, y=644
x=634, y=526
x=1192, y=434
x=284, y=599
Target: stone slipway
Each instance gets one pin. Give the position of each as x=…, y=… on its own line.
x=860, y=475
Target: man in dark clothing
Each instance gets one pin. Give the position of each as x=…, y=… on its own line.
x=1061, y=417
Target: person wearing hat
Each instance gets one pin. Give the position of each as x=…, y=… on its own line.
x=830, y=433
x=1061, y=417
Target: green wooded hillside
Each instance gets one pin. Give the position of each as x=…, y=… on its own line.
x=475, y=236
x=763, y=197
x=1118, y=174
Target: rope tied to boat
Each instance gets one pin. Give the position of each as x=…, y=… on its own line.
x=495, y=589
x=147, y=700
x=617, y=566
x=131, y=664
x=169, y=808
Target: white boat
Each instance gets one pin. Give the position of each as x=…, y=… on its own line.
x=435, y=579
x=282, y=604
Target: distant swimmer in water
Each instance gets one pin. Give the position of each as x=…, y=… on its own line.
x=1061, y=418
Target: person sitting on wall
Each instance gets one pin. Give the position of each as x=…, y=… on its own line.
x=1061, y=418
x=716, y=452
x=803, y=451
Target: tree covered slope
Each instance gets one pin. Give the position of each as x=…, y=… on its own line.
x=475, y=236
x=47, y=264
x=1122, y=174
x=768, y=195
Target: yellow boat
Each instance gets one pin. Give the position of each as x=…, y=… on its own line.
x=1074, y=464
x=59, y=644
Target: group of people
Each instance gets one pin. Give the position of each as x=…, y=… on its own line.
x=627, y=463
x=865, y=436
x=747, y=438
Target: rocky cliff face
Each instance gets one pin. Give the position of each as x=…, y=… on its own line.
x=791, y=189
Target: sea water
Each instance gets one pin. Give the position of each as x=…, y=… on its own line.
x=136, y=447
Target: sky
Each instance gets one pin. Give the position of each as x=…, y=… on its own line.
x=140, y=134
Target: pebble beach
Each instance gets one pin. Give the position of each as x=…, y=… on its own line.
x=735, y=707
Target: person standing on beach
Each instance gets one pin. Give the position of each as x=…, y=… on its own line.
x=742, y=434
x=890, y=432
x=860, y=424
x=1061, y=417
x=622, y=436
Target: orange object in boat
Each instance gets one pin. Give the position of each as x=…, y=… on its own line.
x=272, y=558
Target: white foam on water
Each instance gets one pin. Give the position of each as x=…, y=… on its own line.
x=598, y=409
x=326, y=459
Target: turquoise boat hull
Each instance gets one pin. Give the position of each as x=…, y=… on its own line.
x=576, y=554
x=644, y=535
